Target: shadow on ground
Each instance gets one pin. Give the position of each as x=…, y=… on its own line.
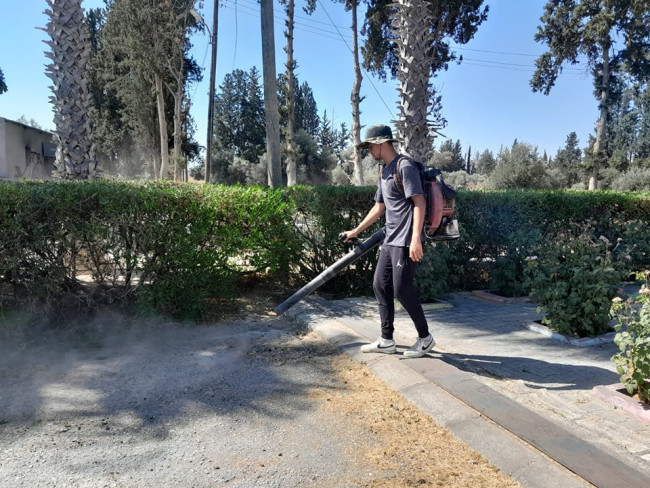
x=535, y=373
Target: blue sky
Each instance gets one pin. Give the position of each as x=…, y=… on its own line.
x=487, y=99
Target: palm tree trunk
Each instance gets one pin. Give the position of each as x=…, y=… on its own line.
x=72, y=100
x=414, y=85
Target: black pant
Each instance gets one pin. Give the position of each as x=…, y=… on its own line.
x=394, y=279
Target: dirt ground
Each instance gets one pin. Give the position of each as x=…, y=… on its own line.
x=247, y=402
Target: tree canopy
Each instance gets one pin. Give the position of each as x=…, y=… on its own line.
x=613, y=35
x=3, y=84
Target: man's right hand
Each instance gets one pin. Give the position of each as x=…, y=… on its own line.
x=348, y=235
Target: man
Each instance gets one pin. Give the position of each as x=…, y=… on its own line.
x=401, y=250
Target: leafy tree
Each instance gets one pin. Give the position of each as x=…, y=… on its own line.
x=253, y=119
x=567, y=162
x=73, y=108
x=127, y=132
x=621, y=133
x=3, y=84
x=114, y=141
x=450, y=157
x=307, y=117
x=327, y=138
x=485, y=163
x=313, y=163
x=411, y=39
x=615, y=37
x=306, y=110
x=331, y=143
x=519, y=167
x=146, y=55
x=290, y=99
x=642, y=147
x=31, y=122
x=239, y=122
x=635, y=179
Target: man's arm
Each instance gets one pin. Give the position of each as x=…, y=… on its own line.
x=415, y=249
x=373, y=215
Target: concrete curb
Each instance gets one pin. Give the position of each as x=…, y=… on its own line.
x=493, y=297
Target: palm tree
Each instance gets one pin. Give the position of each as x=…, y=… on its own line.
x=414, y=36
x=411, y=40
x=72, y=99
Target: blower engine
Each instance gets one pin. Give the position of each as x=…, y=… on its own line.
x=439, y=224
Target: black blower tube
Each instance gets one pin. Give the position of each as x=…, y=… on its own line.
x=360, y=250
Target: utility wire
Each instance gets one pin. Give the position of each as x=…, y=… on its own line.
x=339, y=35
x=351, y=51
x=279, y=20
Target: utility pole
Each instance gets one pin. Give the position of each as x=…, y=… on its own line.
x=274, y=170
x=213, y=70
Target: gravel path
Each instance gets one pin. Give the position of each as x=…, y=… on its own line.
x=167, y=405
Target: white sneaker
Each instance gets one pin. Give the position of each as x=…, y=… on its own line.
x=421, y=347
x=381, y=345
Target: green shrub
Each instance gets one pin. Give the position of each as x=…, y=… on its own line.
x=322, y=213
x=635, y=235
x=435, y=273
x=573, y=280
x=173, y=246
x=635, y=179
x=508, y=277
x=633, y=339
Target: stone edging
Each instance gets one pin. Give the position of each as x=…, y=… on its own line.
x=610, y=394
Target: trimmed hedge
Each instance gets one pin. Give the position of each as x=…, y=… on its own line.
x=181, y=247
x=171, y=246
x=501, y=229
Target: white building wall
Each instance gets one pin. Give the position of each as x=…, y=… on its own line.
x=24, y=151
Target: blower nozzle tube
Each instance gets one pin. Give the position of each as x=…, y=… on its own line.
x=358, y=252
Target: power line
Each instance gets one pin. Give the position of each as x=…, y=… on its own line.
x=280, y=20
x=489, y=63
x=307, y=19
x=350, y=49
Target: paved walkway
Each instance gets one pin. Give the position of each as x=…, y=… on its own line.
x=544, y=411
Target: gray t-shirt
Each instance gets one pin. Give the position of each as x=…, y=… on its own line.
x=399, y=206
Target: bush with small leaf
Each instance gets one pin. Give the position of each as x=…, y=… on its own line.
x=633, y=339
x=574, y=282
